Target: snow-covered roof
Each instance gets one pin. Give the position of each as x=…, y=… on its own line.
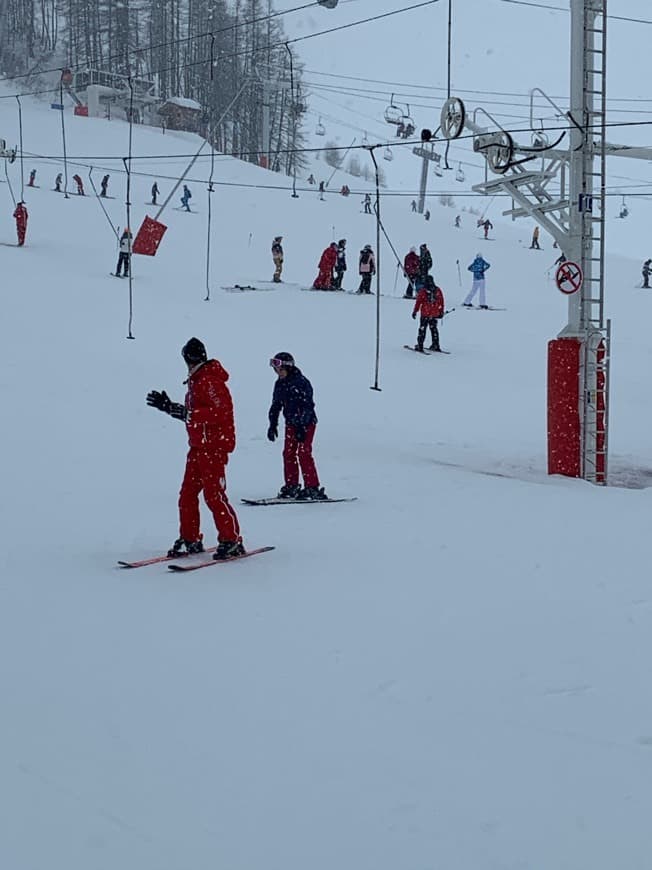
x=184, y=102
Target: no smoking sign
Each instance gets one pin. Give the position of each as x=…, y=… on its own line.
x=569, y=278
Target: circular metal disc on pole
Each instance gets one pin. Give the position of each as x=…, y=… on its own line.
x=453, y=116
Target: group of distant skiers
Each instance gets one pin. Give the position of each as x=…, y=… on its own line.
x=332, y=266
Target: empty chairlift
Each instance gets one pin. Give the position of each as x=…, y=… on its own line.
x=387, y=153
x=393, y=114
x=459, y=175
x=320, y=130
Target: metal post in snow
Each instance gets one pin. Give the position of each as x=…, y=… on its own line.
x=20, y=133
x=295, y=195
x=127, y=163
x=375, y=386
x=63, y=138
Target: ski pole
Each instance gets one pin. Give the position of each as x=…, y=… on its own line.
x=398, y=266
x=459, y=273
x=250, y=235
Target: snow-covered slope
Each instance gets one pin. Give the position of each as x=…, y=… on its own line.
x=449, y=672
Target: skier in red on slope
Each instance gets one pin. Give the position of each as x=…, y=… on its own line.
x=208, y=415
x=430, y=302
x=20, y=214
x=324, y=281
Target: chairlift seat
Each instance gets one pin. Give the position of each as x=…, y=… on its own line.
x=393, y=115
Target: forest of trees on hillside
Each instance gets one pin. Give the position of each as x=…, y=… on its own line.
x=206, y=50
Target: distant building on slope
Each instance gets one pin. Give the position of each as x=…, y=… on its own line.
x=181, y=113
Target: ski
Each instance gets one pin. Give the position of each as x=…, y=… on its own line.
x=488, y=308
x=416, y=350
x=273, y=501
x=243, y=288
x=153, y=560
x=195, y=566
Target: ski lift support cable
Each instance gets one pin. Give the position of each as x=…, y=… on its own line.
x=20, y=134
x=99, y=199
x=209, y=192
x=127, y=163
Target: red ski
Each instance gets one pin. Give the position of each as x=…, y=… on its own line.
x=194, y=566
x=155, y=559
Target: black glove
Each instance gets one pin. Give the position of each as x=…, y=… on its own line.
x=178, y=411
x=300, y=434
x=414, y=315
x=272, y=433
x=161, y=401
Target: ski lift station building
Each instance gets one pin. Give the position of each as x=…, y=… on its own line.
x=181, y=113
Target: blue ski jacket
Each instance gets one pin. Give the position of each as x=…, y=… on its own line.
x=293, y=396
x=479, y=267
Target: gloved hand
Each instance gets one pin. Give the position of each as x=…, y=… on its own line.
x=272, y=433
x=414, y=315
x=161, y=401
x=300, y=434
x=178, y=411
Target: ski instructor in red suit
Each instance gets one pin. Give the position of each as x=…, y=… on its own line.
x=208, y=415
x=20, y=214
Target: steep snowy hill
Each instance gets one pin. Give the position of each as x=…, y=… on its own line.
x=449, y=672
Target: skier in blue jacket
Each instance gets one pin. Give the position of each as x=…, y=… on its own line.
x=478, y=267
x=293, y=396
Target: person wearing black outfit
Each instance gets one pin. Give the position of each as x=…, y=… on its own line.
x=154, y=193
x=425, y=265
x=340, y=264
x=647, y=271
x=104, y=184
x=293, y=396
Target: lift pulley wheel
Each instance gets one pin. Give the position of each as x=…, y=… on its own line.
x=498, y=149
x=453, y=116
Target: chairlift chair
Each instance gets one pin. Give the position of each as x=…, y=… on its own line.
x=393, y=114
x=438, y=170
x=320, y=130
x=406, y=126
x=459, y=175
x=387, y=153
x=365, y=141
x=624, y=211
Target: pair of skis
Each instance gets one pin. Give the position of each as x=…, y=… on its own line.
x=424, y=352
x=193, y=563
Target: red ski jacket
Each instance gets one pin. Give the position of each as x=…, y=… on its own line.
x=328, y=258
x=411, y=264
x=429, y=309
x=210, y=422
x=21, y=215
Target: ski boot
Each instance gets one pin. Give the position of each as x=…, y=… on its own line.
x=228, y=550
x=312, y=493
x=290, y=490
x=467, y=305
x=435, y=348
x=483, y=307
x=181, y=547
x=419, y=348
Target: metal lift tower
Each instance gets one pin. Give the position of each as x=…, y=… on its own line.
x=574, y=215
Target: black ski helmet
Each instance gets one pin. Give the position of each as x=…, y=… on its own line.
x=194, y=352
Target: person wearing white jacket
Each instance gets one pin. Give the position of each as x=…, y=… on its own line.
x=125, y=254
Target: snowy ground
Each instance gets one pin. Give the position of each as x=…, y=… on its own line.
x=451, y=672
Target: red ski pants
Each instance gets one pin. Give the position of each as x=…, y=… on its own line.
x=21, y=230
x=206, y=470
x=299, y=453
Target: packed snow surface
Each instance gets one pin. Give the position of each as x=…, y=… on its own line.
x=451, y=672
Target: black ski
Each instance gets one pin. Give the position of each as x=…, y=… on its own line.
x=274, y=501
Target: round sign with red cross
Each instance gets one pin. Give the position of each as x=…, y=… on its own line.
x=569, y=277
